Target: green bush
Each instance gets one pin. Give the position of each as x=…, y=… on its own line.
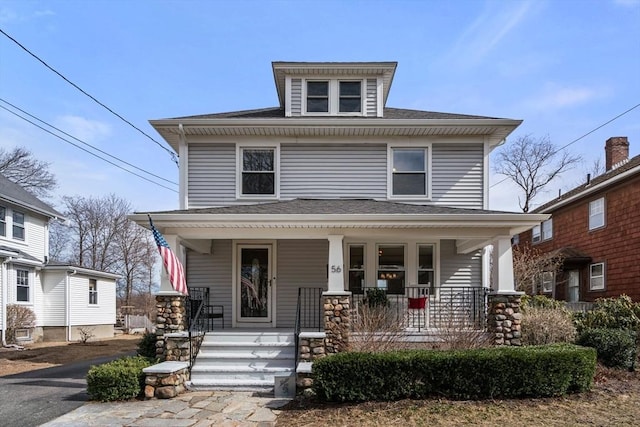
x=119, y=379
x=616, y=348
x=376, y=298
x=610, y=313
x=147, y=345
x=498, y=372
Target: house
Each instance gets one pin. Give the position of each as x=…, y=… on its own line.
x=595, y=228
x=333, y=190
x=65, y=299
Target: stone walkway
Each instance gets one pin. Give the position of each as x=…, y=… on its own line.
x=197, y=409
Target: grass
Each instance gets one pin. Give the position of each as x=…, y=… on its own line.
x=614, y=401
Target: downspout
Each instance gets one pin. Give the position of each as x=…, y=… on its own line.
x=67, y=304
x=5, y=296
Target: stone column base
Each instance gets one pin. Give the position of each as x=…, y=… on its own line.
x=504, y=318
x=337, y=321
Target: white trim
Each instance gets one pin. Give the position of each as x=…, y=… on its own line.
x=380, y=97
x=603, y=276
x=183, y=164
x=485, y=172
x=287, y=96
x=603, y=213
x=275, y=146
x=427, y=147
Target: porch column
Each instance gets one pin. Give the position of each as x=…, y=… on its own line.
x=336, y=301
x=503, y=311
x=170, y=305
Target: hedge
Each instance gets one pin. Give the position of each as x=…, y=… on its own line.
x=119, y=379
x=616, y=348
x=501, y=372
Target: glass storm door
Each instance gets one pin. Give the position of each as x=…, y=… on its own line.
x=254, y=283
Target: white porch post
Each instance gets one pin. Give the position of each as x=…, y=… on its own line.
x=165, y=285
x=503, y=266
x=336, y=264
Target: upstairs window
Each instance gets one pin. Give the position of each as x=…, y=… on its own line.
x=596, y=213
x=536, y=234
x=542, y=232
x=93, y=291
x=3, y=221
x=334, y=97
x=22, y=285
x=258, y=170
x=18, y=225
x=409, y=172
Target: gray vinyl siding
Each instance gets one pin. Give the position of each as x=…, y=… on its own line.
x=331, y=171
x=371, y=100
x=213, y=271
x=459, y=269
x=457, y=176
x=212, y=175
x=301, y=264
x=296, y=97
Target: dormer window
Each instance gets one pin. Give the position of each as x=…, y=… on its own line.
x=334, y=97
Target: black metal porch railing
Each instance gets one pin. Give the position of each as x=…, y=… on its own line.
x=211, y=315
x=422, y=307
x=196, y=331
x=308, y=314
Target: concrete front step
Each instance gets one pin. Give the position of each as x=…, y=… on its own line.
x=249, y=337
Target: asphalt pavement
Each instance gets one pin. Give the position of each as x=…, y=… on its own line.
x=33, y=398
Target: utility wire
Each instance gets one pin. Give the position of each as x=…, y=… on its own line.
x=86, y=143
x=85, y=150
x=582, y=137
x=171, y=153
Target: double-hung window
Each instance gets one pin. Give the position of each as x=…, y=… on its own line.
x=18, y=225
x=409, y=175
x=258, y=167
x=334, y=97
x=426, y=270
x=3, y=221
x=536, y=234
x=356, y=268
x=596, y=277
x=22, y=285
x=547, y=281
x=93, y=291
x=547, y=229
x=391, y=268
x=596, y=213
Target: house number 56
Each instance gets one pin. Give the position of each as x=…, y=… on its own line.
x=336, y=269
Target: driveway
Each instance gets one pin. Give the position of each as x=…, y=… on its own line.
x=33, y=398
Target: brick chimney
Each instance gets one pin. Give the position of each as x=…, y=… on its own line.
x=616, y=150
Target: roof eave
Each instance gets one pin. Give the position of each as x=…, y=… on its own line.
x=47, y=213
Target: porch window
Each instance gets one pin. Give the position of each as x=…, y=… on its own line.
x=356, y=268
x=548, y=279
x=18, y=225
x=409, y=172
x=425, y=267
x=22, y=285
x=596, y=277
x=391, y=268
x=93, y=291
x=596, y=213
x=258, y=171
x=3, y=221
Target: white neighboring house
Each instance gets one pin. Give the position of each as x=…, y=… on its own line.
x=64, y=298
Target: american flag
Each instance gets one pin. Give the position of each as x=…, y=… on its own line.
x=172, y=264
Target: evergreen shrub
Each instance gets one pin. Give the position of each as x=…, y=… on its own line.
x=120, y=379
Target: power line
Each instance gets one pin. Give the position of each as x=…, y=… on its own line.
x=582, y=137
x=86, y=143
x=171, y=153
x=85, y=150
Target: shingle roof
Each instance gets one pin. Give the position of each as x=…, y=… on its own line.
x=14, y=193
x=333, y=207
x=632, y=163
x=388, y=113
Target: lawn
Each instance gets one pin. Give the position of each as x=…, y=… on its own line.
x=613, y=401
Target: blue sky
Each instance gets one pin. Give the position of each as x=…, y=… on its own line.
x=565, y=67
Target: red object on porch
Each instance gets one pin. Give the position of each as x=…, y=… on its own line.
x=418, y=303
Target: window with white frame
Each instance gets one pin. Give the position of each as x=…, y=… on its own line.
x=18, y=225
x=258, y=171
x=391, y=268
x=596, y=213
x=596, y=277
x=93, y=291
x=536, y=234
x=333, y=97
x=547, y=229
x=426, y=270
x=548, y=279
x=409, y=171
x=356, y=268
x=3, y=221
x=22, y=286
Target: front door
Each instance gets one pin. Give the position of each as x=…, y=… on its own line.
x=574, y=286
x=254, y=284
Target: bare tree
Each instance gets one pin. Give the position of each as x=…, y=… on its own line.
x=532, y=164
x=19, y=165
x=529, y=264
x=59, y=240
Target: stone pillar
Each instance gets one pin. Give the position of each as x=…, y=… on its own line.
x=170, y=318
x=337, y=321
x=504, y=318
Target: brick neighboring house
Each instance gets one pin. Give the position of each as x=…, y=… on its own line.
x=596, y=228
